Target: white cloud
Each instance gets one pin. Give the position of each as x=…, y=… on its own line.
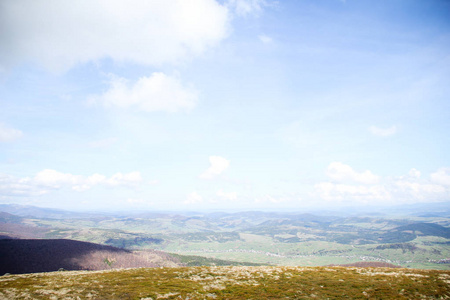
x=414, y=173
x=265, y=39
x=345, y=192
x=158, y=92
x=246, y=7
x=383, y=132
x=8, y=134
x=418, y=190
x=58, y=34
x=218, y=166
x=268, y=199
x=442, y=176
x=12, y=186
x=119, y=179
x=47, y=180
x=193, y=198
x=55, y=179
x=401, y=189
x=341, y=172
x=231, y=196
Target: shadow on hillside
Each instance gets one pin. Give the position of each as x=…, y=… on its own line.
x=31, y=256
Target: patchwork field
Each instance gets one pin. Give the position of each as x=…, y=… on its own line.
x=410, y=241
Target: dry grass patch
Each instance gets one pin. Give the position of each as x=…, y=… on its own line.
x=231, y=283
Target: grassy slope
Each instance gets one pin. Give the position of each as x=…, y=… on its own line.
x=197, y=261
x=231, y=283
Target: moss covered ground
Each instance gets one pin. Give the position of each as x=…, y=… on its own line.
x=236, y=282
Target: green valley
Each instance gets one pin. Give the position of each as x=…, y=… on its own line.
x=254, y=237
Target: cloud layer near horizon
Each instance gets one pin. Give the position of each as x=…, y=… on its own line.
x=352, y=187
x=49, y=180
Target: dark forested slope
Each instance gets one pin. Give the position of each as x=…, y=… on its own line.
x=35, y=255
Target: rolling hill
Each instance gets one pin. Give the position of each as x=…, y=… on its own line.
x=269, y=238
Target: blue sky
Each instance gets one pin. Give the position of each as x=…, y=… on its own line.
x=224, y=105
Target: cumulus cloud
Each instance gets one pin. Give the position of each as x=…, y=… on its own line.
x=246, y=7
x=193, y=198
x=119, y=179
x=58, y=34
x=342, y=172
x=265, y=39
x=414, y=173
x=230, y=196
x=269, y=199
x=55, y=179
x=418, y=190
x=218, y=166
x=47, y=180
x=17, y=187
x=345, y=192
x=8, y=134
x=158, y=92
x=368, y=188
x=442, y=176
x=383, y=132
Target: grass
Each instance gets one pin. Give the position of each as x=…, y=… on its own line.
x=315, y=253
x=196, y=261
x=231, y=283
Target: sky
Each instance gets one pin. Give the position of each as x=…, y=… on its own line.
x=224, y=105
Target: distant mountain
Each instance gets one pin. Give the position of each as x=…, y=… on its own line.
x=426, y=229
x=9, y=218
x=441, y=209
x=438, y=209
x=39, y=212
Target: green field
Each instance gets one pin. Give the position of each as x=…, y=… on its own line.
x=264, y=238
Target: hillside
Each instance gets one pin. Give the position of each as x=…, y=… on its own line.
x=268, y=238
x=38, y=255
x=231, y=283
x=31, y=256
x=426, y=229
